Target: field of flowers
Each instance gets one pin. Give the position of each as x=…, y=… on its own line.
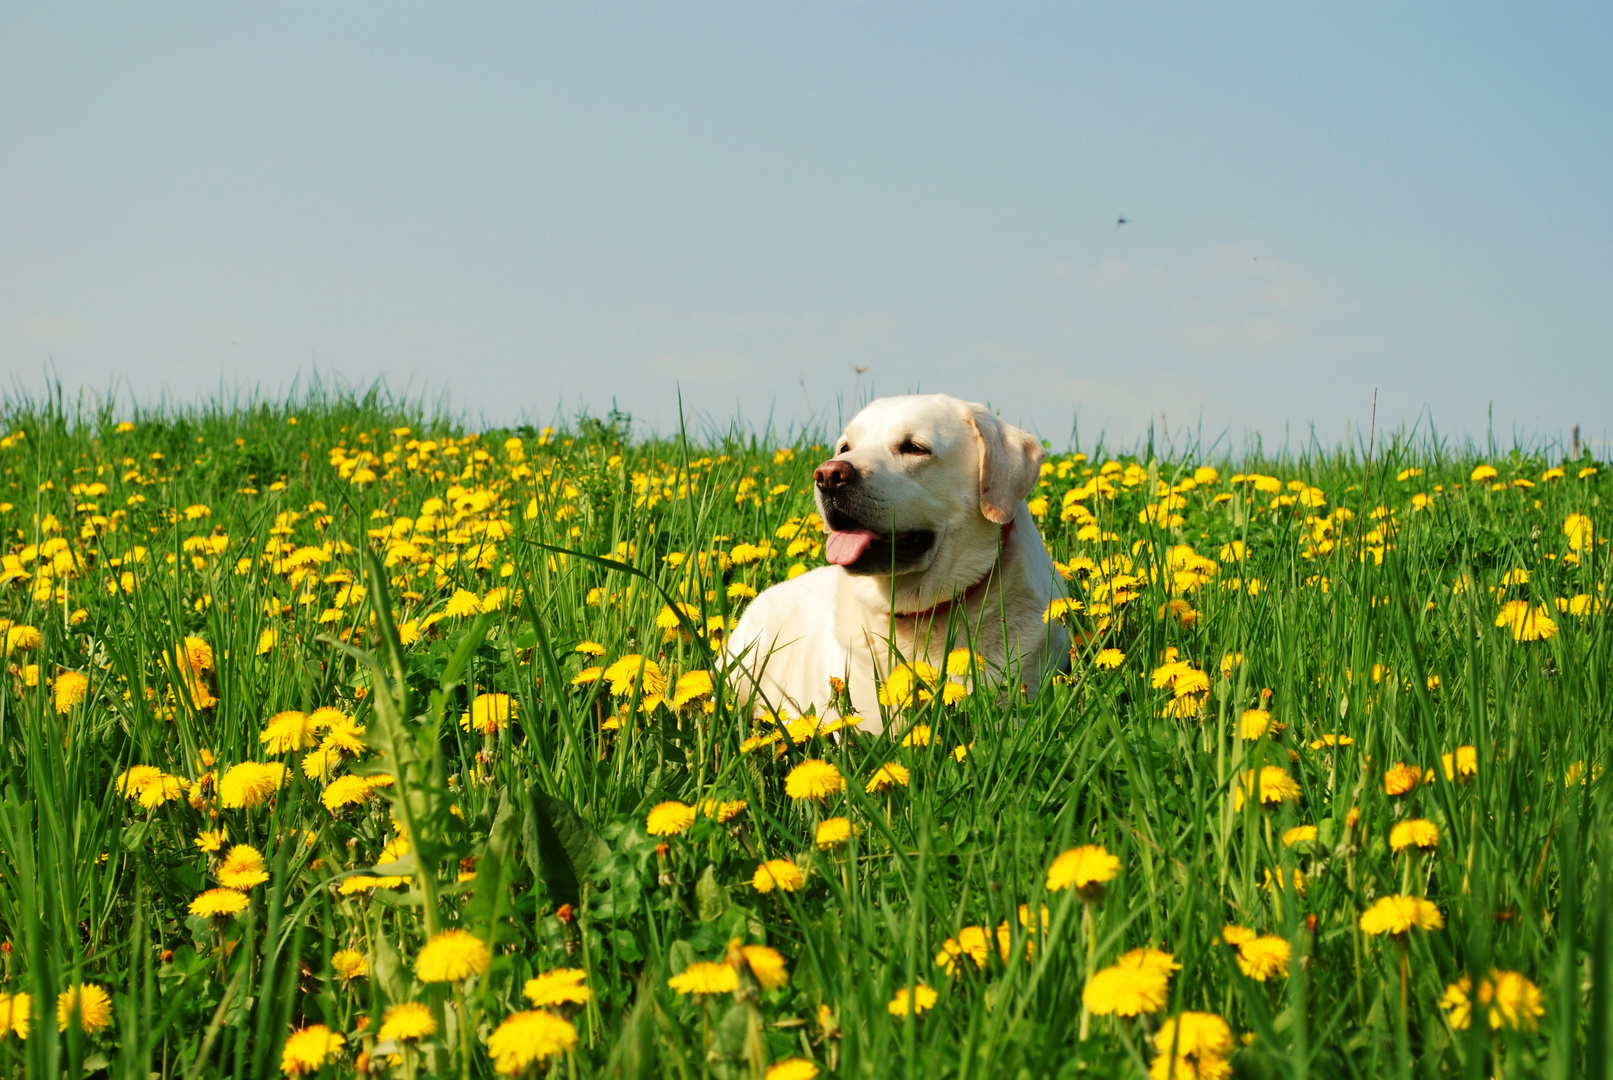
x=340, y=739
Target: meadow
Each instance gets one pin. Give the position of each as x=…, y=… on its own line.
x=339, y=738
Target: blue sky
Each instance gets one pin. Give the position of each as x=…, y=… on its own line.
x=541, y=208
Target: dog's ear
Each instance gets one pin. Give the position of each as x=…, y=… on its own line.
x=1010, y=464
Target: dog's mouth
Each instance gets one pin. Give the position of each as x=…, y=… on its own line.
x=861, y=550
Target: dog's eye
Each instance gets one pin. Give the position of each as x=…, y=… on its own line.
x=910, y=447
x=845, y=448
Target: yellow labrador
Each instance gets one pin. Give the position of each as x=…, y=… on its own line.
x=931, y=547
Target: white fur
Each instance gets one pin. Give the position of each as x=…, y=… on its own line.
x=829, y=622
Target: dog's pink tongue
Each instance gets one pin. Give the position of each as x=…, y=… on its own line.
x=845, y=546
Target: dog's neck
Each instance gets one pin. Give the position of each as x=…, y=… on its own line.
x=939, y=611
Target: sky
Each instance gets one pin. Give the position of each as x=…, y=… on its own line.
x=778, y=211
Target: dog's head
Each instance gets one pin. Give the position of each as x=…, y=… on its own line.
x=919, y=487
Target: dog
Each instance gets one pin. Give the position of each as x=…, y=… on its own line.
x=931, y=548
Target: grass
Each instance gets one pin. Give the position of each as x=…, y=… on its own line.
x=1359, y=583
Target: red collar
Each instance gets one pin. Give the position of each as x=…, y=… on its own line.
x=972, y=591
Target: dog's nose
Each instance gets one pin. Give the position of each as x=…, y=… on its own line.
x=834, y=474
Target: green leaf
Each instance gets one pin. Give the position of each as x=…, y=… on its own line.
x=561, y=847
x=492, y=871
x=711, y=897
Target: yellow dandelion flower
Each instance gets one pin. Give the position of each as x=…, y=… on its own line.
x=488, y=714
x=887, y=776
x=1402, y=778
x=1109, y=659
x=452, y=956
x=16, y=1014
x=1299, y=834
x=623, y=676
x=813, y=779
x=920, y=999
x=705, y=977
x=767, y=965
x=1262, y=957
x=792, y=1069
x=210, y=840
x=832, y=833
x=87, y=1000
x=778, y=874
x=243, y=868
x=350, y=964
x=669, y=819
x=250, y=784
x=1527, y=623
x=1463, y=764
x=407, y=1020
x=307, y=1049
x=527, y=1037
x=1126, y=991
x=1276, y=787
x=1414, y=832
x=562, y=986
x=1084, y=868
x=346, y=791
x=71, y=688
x=1400, y=914
x=218, y=903
x=462, y=603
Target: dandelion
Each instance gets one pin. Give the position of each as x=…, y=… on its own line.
x=488, y=714
x=832, y=833
x=1463, y=764
x=1109, y=659
x=209, y=840
x=1153, y=959
x=623, y=675
x=971, y=942
x=1402, y=778
x=1275, y=786
x=1400, y=914
x=407, y=1020
x=691, y=686
x=90, y=1002
x=1414, y=832
x=1527, y=623
x=813, y=779
x=1192, y=1046
x=1262, y=957
x=306, y=1050
x=887, y=776
x=164, y=789
x=766, y=965
x=919, y=735
x=1332, y=740
x=243, y=868
x=1126, y=991
x=287, y=731
x=669, y=819
x=462, y=603
x=792, y=1069
x=22, y=639
x=915, y=1002
x=705, y=977
x=723, y=810
x=71, y=688
x=452, y=956
x=1299, y=834
x=350, y=964
x=1510, y=1001
x=16, y=1011
x=527, y=1037
x=1254, y=723
x=562, y=986
x=135, y=779
x=218, y=903
x=778, y=874
x=1086, y=868
x=346, y=791
x=250, y=784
